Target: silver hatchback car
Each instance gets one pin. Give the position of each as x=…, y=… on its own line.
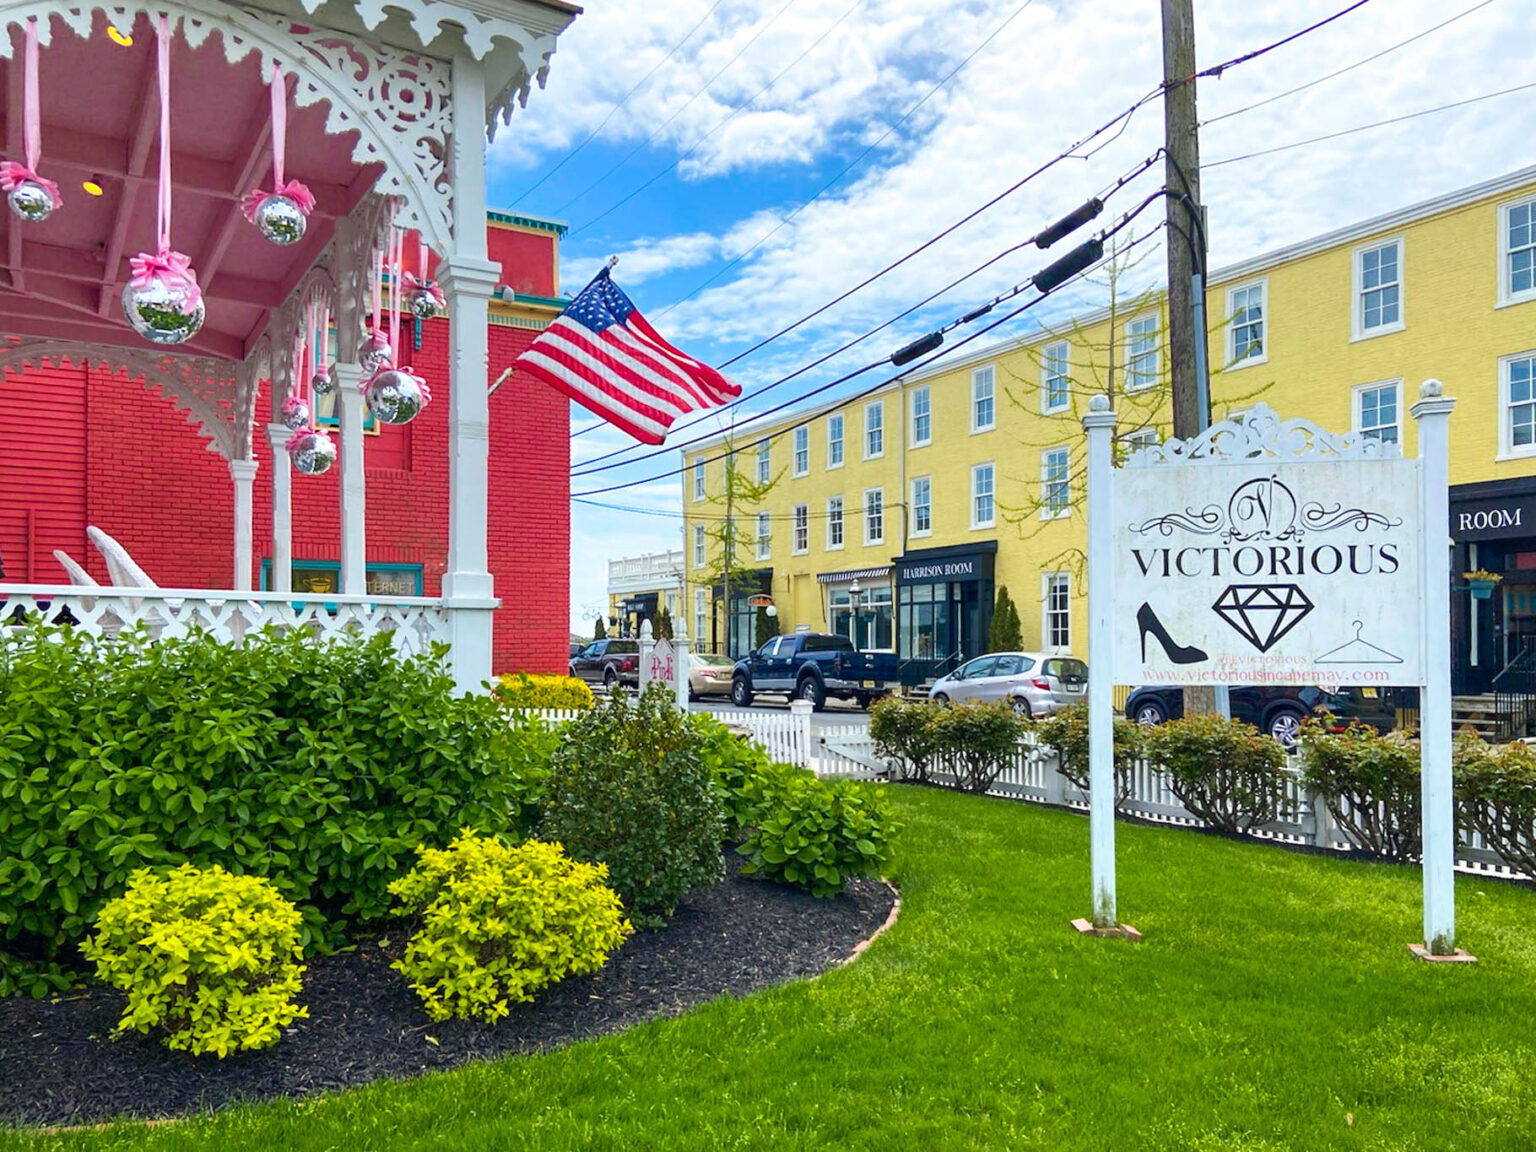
x=1035, y=683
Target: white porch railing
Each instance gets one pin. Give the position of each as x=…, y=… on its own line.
x=412, y=622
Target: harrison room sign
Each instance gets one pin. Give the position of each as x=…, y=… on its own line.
x=1268, y=571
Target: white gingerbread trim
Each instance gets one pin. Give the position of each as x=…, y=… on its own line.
x=1260, y=434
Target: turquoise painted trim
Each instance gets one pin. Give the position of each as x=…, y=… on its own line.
x=558, y=227
x=561, y=302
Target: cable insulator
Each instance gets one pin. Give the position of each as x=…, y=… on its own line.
x=1069, y=223
x=1086, y=253
x=977, y=313
x=920, y=347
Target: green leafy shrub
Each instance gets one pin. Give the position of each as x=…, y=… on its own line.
x=907, y=732
x=1496, y=794
x=978, y=741
x=321, y=765
x=629, y=788
x=499, y=923
x=1066, y=735
x=1370, y=784
x=207, y=957
x=1224, y=771
x=557, y=693
x=735, y=763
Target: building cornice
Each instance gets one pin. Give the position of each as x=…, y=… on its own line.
x=535, y=223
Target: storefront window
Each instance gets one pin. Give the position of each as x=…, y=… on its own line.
x=871, y=627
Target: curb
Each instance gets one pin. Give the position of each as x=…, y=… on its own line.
x=858, y=949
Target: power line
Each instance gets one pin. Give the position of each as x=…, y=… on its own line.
x=1217, y=69
x=1347, y=68
x=624, y=101
x=1368, y=127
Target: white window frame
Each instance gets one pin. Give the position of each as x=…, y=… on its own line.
x=700, y=489
x=836, y=420
x=800, y=541
x=1139, y=439
x=800, y=456
x=765, y=461
x=872, y=407
x=700, y=618
x=988, y=373
x=1046, y=511
x=1507, y=294
x=1508, y=450
x=991, y=469
x=700, y=546
x=1358, y=330
x=1156, y=353
x=869, y=538
x=1048, y=582
x=764, y=536
x=1062, y=350
x=1357, y=405
x=1262, y=284
x=928, y=481
x=926, y=414
x=836, y=515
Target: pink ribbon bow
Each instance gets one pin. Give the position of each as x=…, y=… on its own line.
x=292, y=404
x=13, y=173
x=292, y=443
x=427, y=285
x=294, y=190
x=171, y=268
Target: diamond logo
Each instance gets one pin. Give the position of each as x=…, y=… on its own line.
x=1262, y=613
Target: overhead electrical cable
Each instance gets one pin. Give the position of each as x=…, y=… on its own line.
x=1216, y=70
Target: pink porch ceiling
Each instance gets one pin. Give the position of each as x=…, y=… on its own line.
x=100, y=120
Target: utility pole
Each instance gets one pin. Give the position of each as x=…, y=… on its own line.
x=1186, y=229
x=729, y=551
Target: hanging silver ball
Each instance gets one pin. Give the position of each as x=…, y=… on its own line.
x=313, y=453
x=422, y=304
x=32, y=202
x=295, y=415
x=394, y=397
x=161, y=313
x=324, y=381
x=376, y=354
x=280, y=220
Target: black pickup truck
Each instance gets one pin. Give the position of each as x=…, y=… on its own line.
x=812, y=666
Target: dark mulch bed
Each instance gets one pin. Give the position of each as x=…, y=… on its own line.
x=59, y=1066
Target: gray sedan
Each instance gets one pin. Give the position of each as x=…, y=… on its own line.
x=1035, y=683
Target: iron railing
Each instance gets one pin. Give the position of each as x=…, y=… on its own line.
x=1514, y=693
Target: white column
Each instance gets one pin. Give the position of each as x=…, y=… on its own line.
x=282, y=509
x=1099, y=423
x=468, y=279
x=354, y=536
x=1432, y=414
x=680, y=647
x=646, y=645
x=243, y=473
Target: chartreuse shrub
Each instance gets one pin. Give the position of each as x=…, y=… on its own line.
x=320, y=765
x=1066, y=735
x=1370, y=783
x=1496, y=794
x=629, y=788
x=209, y=958
x=499, y=923
x=559, y=693
x=1224, y=771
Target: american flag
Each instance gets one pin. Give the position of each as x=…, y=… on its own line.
x=605, y=356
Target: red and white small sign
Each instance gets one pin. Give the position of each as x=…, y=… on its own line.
x=663, y=663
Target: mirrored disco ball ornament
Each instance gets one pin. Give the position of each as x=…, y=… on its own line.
x=295, y=415
x=280, y=220
x=422, y=304
x=376, y=353
x=394, y=397
x=163, y=313
x=32, y=202
x=324, y=381
x=312, y=453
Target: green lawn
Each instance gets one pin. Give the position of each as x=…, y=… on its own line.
x=1272, y=1001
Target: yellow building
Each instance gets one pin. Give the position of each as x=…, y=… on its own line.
x=937, y=488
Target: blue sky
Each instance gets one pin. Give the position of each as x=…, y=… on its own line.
x=768, y=100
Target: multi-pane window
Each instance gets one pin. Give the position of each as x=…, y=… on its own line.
x=1520, y=401
x=922, y=417
x=698, y=481
x=698, y=545
x=1055, y=376
x=835, y=440
x=764, y=536
x=834, y=521
x=983, y=398
x=1376, y=411
x=1379, y=276
x=1141, y=438
x=874, y=429
x=983, y=504
x=700, y=616
x=1057, y=625
x=1518, y=240
x=1055, y=495
x=764, y=462
x=874, y=515
x=802, y=450
x=922, y=506
x=1141, y=353
x=1246, y=306
x=802, y=541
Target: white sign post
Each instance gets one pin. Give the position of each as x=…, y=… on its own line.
x=661, y=664
x=680, y=643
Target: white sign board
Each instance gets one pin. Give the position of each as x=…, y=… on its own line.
x=662, y=663
x=1268, y=572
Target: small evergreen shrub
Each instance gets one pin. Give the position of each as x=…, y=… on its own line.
x=556, y=693
x=497, y=924
x=1224, y=771
x=1496, y=791
x=814, y=833
x=978, y=741
x=908, y=733
x=1066, y=735
x=629, y=788
x=207, y=957
x=1370, y=784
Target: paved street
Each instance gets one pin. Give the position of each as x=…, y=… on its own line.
x=837, y=712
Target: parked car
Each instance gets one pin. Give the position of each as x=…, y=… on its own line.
x=1276, y=709
x=813, y=666
x=1034, y=683
x=709, y=675
x=609, y=663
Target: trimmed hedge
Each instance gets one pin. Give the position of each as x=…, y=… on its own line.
x=1225, y=772
x=1496, y=794
x=1066, y=734
x=556, y=693
x=1370, y=783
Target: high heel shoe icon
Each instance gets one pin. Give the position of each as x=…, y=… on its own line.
x=1147, y=621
